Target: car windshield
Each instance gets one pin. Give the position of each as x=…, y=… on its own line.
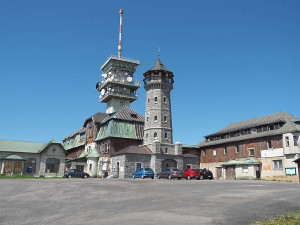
x=148, y=169
x=175, y=169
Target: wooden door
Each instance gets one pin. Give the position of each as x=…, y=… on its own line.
x=219, y=172
x=230, y=173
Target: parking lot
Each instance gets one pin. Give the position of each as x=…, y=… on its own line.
x=128, y=201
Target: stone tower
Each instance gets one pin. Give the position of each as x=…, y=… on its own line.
x=158, y=83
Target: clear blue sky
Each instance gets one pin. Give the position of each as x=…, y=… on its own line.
x=232, y=60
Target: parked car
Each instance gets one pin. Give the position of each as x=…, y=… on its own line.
x=143, y=173
x=191, y=174
x=76, y=173
x=206, y=174
x=170, y=173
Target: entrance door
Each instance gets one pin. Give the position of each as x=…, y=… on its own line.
x=230, y=173
x=118, y=169
x=219, y=172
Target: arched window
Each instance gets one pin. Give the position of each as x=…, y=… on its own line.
x=52, y=165
x=166, y=151
x=155, y=135
x=146, y=137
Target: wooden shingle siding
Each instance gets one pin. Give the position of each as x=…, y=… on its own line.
x=244, y=146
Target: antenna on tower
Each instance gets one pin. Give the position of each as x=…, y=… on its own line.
x=120, y=35
x=158, y=54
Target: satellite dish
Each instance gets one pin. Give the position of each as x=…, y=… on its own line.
x=126, y=73
x=102, y=91
x=104, y=75
x=109, y=73
x=129, y=79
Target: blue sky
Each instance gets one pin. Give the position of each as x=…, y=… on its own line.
x=232, y=60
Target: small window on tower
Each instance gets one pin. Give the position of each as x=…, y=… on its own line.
x=165, y=100
x=146, y=137
x=155, y=118
x=147, y=119
x=155, y=135
x=166, y=151
x=165, y=118
x=155, y=99
x=166, y=135
x=148, y=100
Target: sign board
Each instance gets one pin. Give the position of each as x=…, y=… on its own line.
x=104, y=166
x=290, y=171
x=272, y=153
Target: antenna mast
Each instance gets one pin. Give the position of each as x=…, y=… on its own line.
x=120, y=35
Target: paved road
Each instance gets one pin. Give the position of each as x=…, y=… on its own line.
x=127, y=201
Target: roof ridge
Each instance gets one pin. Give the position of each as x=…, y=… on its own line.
x=24, y=141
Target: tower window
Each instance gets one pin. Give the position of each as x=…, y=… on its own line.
x=166, y=135
x=155, y=135
x=148, y=100
x=165, y=118
x=166, y=151
x=147, y=118
x=165, y=99
x=155, y=118
x=155, y=99
x=146, y=137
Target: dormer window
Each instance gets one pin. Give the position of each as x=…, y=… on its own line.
x=253, y=130
x=133, y=116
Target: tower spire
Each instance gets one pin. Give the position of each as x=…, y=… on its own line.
x=120, y=35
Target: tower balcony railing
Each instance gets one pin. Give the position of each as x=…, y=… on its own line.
x=122, y=83
x=111, y=94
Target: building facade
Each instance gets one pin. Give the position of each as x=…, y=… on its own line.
x=158, y=151
x=33, y=158
x=265, y=147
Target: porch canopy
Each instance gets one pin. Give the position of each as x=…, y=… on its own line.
x=241, y=161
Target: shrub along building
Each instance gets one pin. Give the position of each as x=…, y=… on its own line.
x=34, y=158
x=265, y=147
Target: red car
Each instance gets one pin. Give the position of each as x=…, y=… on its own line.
x=191, y=174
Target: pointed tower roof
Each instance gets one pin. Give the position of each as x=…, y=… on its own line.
x=158, y=65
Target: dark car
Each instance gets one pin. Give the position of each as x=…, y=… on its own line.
x=206, y=174
x=143, y=173
x=191, y=174
x=170, y=173
x=76, y=173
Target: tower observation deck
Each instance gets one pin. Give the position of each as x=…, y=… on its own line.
x=117, y=88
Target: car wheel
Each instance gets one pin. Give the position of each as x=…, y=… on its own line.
x=179, y=178
x=152, y=177
x=133, y=176
x=189, y=177
x=143, y=177
x=85, y=176
x=69, y=176
x=169, y=177
x=210, y=178
x=201, y=177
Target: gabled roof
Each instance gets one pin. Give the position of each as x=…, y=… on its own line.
x=24, y=146
x=288, y=126
x=79, y=131
x=126, y=114
x=94, y=154
x=141, y=150
x=97, y=118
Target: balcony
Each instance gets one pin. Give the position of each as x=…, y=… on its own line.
x=292, y=150
x=110, y=94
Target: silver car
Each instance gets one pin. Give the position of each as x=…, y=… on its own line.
x=170, y=173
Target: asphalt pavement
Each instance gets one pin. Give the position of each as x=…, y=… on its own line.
x=128, y=201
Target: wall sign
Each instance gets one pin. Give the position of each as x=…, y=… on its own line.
x=272, y=152
x=290, y=171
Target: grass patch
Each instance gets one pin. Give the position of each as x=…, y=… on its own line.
x=289, y=219
x=26, y=176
